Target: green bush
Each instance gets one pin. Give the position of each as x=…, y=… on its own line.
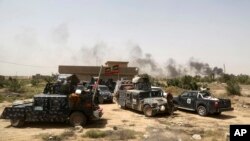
x=61, y=137
x=243, y=79
x=233, y=88
x=95, y=134
x=185, y=82
x=15, y=85
x=1, y=98
x=35, y=82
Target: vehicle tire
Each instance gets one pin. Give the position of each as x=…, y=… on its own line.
x=148, y=111
x=77, y=119
x=17, y=122
x=124, y=107
x=202, y=111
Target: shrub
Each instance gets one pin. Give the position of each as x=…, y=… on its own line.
x=95, y=134
x=185, y=82
x=15, y=85
x=1, y=98
x=63, y=136
x=35, y=82
x=127, y=134
x=233, y=88
x=2, y=83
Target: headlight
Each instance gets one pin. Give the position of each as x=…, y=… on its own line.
x=162, y=108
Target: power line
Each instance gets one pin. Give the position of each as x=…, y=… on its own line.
x=13, y=63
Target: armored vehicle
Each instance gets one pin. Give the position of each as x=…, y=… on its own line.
x=105, y=93
x=202, y=102
x=142, y=98
x=76, y=108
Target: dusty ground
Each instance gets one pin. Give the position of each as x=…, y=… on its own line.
x=181, y=126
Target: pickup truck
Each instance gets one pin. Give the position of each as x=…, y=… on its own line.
x=202, y=102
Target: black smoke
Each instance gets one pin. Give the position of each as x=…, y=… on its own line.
x=204, y=68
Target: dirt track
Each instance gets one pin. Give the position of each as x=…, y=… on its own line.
x=182, y=125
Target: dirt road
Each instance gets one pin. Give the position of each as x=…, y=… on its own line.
x=181, y=126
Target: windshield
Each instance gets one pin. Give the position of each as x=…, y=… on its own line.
x=205, y=94
x=103, y=88
x=156, y=93
x=126, y=87
x=80, y=87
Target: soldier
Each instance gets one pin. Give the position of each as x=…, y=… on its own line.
x=170, y=98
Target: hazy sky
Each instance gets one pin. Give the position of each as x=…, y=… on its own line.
x=38, y=35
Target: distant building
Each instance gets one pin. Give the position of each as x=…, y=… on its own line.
x=86, y=72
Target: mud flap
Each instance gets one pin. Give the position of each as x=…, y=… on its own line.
x=13, y=113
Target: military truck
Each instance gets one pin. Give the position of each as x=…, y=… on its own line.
x=76, y=108
x=142, y=98
x=202, y=102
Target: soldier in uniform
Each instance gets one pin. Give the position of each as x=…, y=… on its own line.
x=170, y=98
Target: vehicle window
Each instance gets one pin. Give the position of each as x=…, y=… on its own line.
x=128, y=95
x=126, y=87
x=192, y=94
x=156, y=93
x=135, y=96
x=103, y=88
x=185, y=94
x=144, y=95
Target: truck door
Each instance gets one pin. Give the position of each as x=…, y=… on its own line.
x=135, y=101
x=129, y=100
x=190, y=101
x=183, y=99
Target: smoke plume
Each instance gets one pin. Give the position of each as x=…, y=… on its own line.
x=145, y=62
x=173, y=69
x=204, y=68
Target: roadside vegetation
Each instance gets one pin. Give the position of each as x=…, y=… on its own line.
x=187, y=82
x=121, y=134
x=68, y=133
x=12, y=88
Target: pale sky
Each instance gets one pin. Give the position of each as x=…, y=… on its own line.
x=48, y=33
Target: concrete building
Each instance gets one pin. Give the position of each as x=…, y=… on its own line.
x=86, y=72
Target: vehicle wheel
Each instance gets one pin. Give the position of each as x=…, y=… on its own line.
x=148, y=111
x=124, y=107
x=77, y=119
x=202, y=110
x=17, y=122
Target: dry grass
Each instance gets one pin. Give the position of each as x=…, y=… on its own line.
x=63, y=136
x=95, y=134
x=122, y=134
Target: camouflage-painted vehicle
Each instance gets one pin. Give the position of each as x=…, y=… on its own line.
x=142, y=98
x=76, y=108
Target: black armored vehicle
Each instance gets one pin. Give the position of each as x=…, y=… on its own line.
x=76, y=108
x=202, y=102
x=139, y=96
